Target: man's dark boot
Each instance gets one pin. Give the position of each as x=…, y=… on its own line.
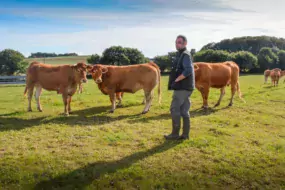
x=186, y=128
x=175, y=129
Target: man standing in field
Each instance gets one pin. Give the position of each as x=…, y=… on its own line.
x=182, y=81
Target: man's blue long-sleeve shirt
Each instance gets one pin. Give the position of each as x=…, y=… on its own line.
x=187, y=66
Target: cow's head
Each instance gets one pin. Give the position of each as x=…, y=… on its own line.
x=97, y=71
x=80, y=72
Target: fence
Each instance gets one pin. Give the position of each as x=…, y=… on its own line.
x=12, y=79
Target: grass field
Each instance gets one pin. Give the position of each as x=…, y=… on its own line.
x=242, y=147
x=60, y=60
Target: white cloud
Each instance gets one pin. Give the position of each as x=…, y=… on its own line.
x=154, y=32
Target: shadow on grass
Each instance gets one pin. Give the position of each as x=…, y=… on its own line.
x=82, y=177
x=86, y=117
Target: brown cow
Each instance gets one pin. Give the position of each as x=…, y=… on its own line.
x=275, y=76
x=114, y=79
x=216, y=75
x=64, y=79
x=267, y=74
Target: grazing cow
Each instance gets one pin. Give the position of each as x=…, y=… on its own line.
x=216, y=75
x=118, y=79
x=64, y=79
x=275, y=76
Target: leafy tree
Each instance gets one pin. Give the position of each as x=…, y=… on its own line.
x=118, y=55
x=134, y=55
x=94, y=59
x=42, y=54
x=164, y=62
x=245, y=60
x=281, y=58
x=252, y=44
x=212, y=56
x=12, y=61
x=267, y=59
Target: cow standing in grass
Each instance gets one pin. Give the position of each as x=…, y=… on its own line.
x=114, y=80
x=275, y=76
x=267, y=74
x=64, y=79
x=217, y=75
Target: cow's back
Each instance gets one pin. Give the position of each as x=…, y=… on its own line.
x=48, y=76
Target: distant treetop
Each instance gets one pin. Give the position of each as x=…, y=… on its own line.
x=42, y=54
x=252, y=44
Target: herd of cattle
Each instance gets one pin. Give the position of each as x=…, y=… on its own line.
x=116, y=80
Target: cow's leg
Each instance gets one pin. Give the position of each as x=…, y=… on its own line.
x=119, y=97
x=37, y=97
x=113, y=101
x=65, y=102
x=221, y=96
x=148, y=98
x=205, y=93
x=80, y=88
x=233, y=89
x=69, y=98
x=30, y=96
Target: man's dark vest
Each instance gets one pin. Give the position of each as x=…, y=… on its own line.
x=176, y=70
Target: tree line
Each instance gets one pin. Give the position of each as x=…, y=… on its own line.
x=42, y=55
x=250, y=60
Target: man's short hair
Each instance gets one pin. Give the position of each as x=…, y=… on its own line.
x=182, y=37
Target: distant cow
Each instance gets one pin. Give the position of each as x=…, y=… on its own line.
x=117, y=79
x=216, y=75
x=267, y=74
x=275, y=76
x=64, y=79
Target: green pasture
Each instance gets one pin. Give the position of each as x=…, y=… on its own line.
x=60, y=60
x=241, y=147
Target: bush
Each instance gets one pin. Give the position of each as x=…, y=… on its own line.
x=212, y=56
x=281, y=59
x=267, y=59
x=94, y=59
x=245, y=60
x=12, y=62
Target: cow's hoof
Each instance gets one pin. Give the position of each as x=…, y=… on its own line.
x=144, y=112
x=204, y=107
x=40, y=110
x=216, y=105
x=230, y=105
x=30, y=110
x=111, y=111
x=119, y=106
x=66, y=114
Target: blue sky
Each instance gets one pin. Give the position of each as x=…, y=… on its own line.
x=88, y=26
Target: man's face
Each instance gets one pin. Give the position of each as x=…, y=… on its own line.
x=180, y=44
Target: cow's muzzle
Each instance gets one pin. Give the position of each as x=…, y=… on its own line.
x=84, y=80
x=98, y=81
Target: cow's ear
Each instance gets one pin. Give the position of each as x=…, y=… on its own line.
x=104, y=70
x=89, y=68
x=196, y=66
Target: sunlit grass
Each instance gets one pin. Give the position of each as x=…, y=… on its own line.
x=238, y=147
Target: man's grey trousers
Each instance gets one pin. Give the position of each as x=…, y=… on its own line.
x=180, y=104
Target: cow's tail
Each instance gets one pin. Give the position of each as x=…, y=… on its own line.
x=159, y=80
x=239, y=92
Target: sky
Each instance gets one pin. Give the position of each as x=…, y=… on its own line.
x=90, y=26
